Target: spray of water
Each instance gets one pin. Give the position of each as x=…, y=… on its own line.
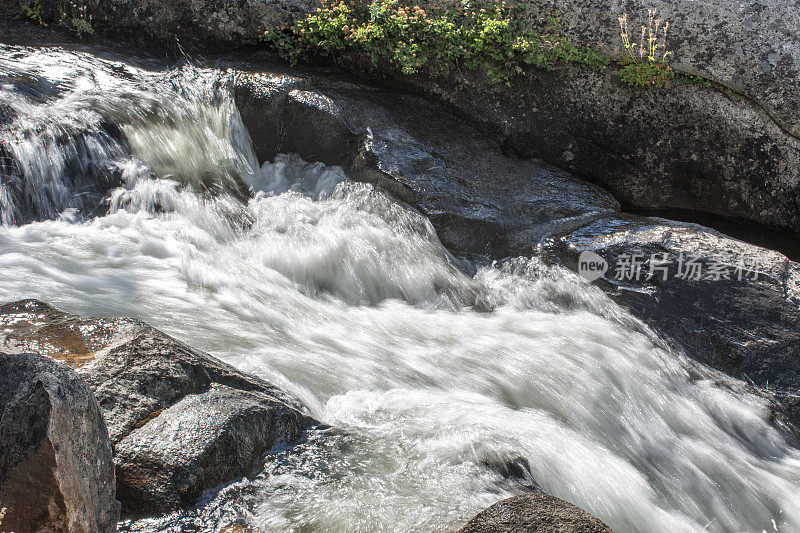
x=433, y=381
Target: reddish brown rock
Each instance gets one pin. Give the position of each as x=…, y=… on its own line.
x=56, y=468
x=537, y=512
x=181, y=421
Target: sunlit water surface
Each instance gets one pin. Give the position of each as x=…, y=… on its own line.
x=432, y=380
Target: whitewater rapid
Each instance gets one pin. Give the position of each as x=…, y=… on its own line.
x=434, y=372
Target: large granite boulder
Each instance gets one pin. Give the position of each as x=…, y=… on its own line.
x=684, y=147
x=180, y=420
x=730, y=150
x=534, y=513
x=201, y=441
x=56, y=468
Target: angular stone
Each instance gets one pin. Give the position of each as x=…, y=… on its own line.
x=147, y=384
x=200, y=442
x=56, y=468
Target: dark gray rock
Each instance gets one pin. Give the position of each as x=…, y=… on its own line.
x=537, y=512
x=201, y=441
x=202, y=23
x=146, y=381
x=684, y=147
x=481, y=200
x=56, y=468
x=739, y=316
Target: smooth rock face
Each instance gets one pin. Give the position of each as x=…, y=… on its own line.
x=56, y=468
x=146, y=381
x=684, y=147
x=729, y=304
x=480, y=200
x=537, y=512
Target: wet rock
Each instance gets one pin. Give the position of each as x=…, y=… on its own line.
x=146, y=381
x=56, y=468
x=682, y=147
x=262, y=102
x=481, y=200
x=200, y=442
x=536, y=512
x=729, y=304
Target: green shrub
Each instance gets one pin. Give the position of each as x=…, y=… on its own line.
x=33, y=12
x=486, y=35
x=76, y=20
x=477, y=35
x=691, y=79
x=645, y=73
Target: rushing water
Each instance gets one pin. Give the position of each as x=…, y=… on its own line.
x=433, y=380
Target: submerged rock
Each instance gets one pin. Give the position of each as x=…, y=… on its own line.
x=537, y=512
x=56, y=468
x=728, y=304
x=161, y=400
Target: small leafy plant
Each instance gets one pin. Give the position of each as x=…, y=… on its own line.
x=691, y=79
x=33, y=12
x=76, y=20
x=646, y=62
